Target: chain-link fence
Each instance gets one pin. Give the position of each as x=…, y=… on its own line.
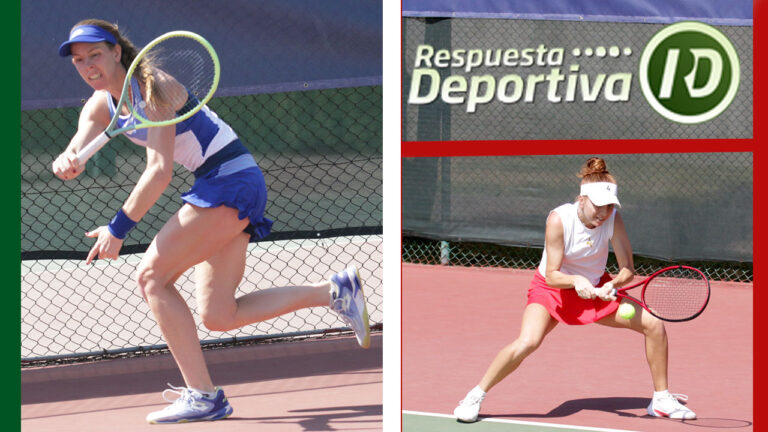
x=309, y=113
x=321, y=156
x=491, y=211
x=419, y=250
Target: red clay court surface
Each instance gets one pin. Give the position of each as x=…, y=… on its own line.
x=456, y=319
x=317, y=385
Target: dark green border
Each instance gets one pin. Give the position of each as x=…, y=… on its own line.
x=10, y=178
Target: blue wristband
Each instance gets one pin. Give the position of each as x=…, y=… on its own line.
x=120, y=225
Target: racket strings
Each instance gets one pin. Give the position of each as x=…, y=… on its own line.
x=677, y=294
x=184, y=74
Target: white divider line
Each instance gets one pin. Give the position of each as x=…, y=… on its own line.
x=542, y=424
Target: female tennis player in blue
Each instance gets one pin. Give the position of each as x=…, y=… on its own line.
x=571, y=286
x=221, y=213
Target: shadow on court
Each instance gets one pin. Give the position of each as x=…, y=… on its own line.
x=227, y=366
x=621, y=406
x=321, y=419
x=327, y=384
x=612, y=405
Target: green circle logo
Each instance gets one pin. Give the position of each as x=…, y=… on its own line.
x=689, y=72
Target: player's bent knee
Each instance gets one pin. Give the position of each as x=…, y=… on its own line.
x=217, y=314
x=150, y=283
x=215, y=322
x=528, y=344
x=653, y=327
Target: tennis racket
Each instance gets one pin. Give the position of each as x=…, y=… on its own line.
x=187, y=67
x=677, y=293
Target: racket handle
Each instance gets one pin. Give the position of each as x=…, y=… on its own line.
x=614, y=291
x=92, y=147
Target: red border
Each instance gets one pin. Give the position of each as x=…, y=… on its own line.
x=758, y=233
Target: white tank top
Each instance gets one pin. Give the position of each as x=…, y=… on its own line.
x=197, y=138
x=586, y=250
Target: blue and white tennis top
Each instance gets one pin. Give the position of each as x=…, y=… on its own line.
x=197, y=138
x=585, y=250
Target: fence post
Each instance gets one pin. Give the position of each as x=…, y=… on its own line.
x=445, y=252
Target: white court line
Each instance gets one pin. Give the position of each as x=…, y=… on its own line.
x=542, y=424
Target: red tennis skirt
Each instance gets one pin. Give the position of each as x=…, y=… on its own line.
x=566, y=306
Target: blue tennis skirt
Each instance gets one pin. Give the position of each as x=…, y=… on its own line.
x=237, y=183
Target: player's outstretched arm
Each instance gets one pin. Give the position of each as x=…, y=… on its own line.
x=93, y=119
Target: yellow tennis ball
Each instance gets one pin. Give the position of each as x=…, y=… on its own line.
x=626, y=311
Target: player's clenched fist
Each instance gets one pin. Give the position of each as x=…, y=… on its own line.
x=66, y=166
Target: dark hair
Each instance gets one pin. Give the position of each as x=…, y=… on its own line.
x=127, y=54
x=595, y=170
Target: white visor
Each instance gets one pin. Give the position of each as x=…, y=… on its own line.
x=601, y=193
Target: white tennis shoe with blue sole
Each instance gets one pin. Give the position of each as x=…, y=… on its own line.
x=348, y=301
x=191, y=406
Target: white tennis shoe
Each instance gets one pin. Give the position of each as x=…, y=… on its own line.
x=348, y=301
x=667, y=405
x=469, y=408
x=191, y=406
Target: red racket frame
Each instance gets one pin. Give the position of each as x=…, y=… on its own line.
x=620, y=292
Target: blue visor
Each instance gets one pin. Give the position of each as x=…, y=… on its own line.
x=86, y=33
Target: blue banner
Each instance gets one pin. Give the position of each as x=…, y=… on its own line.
x=264, y=46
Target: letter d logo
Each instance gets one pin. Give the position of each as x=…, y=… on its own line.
x=689, y=72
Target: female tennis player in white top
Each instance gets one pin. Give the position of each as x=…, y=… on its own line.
x=221, y=213
x=572, y=286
